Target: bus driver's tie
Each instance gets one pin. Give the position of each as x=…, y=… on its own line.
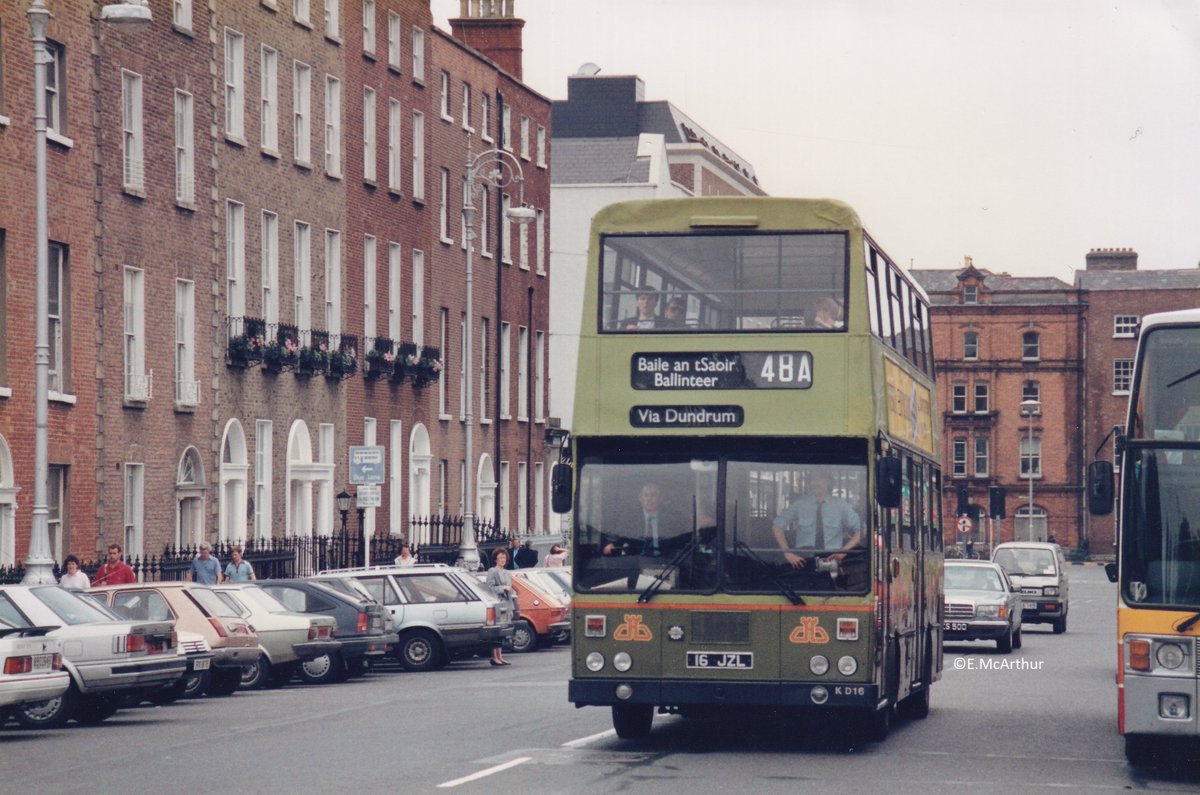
x=819, y=543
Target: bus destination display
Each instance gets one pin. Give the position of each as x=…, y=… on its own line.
x=722, y=370
x=687, y=416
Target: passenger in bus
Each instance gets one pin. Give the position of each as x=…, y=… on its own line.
x=652, y=532
x=647, y=311
x=823, y=522
x=827, y=313
x=675, y=315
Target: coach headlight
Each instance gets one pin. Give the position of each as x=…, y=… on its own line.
x=819, y=695
x=819, y=664
x=1170, y=655
x=622, y=661
x=594, y=661
x=847, y=665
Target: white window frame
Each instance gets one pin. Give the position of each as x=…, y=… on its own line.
x=1122, y=376
x=539, y=229
x=505, y=385
x=484, y=218
x=136, y=383
x=418, y=298
x=958, y=458
x=1036, y=347
x=235, y=84
x=263, y=475
x=443, y=346
x=1031, y=390
x=235, y=258
x=484, y=332
x=958, y=397
x=971, y=348
x=333, y=20
x=368, y=21
x=539, y=376
x=395, y=33
x=133, y=172
x=523, y=246
x=506, y=128
x=187, y=388
x=302, y=12
x=185, y=148
x=981, y=458
x=369, y=154
x=56, y=93
x=522, y=374
x=395, y=274
x=333, y=126
x=134, y=480
x=270, y=267
x=302, y=112
x=418, y=156
x=539, y=497
x=541, y=146
x=485, y=117
x=444, y=96
x=522, y=496
x=418, y=55
x=181, y=15
x=524, y=131
x=1031, y=457
x=444, y=206
x=370, y=278
x=465, y=108
x=505, y=230
x=395, y=135
x=981, y=394
x=302, y=274
x=333, y=282
x=1125, y=326
x=58, y=319
x=269, y=97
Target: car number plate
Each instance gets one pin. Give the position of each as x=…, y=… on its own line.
x=956, y=626
x=1029, y=605
x=201, y=665
x=720, y=659
x=42, y=662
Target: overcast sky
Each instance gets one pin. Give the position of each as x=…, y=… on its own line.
x=1022, y=133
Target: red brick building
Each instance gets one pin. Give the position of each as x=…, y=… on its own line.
x=253, y=198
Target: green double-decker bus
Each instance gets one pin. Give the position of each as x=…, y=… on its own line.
x=753, y=468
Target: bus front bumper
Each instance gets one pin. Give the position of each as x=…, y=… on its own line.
x=685, y=692
x=1161, y=705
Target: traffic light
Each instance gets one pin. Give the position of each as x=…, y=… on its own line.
x=996, y=502
x=964, y=501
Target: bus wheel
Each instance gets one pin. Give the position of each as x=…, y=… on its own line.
x=632, y=721
x=1140, y=750
x=877, y=724
x=916, y=705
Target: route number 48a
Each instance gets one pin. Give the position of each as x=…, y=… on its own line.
x=787, y=368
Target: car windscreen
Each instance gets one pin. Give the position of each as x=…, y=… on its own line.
x=973, y=578
x=212, y=604
x=69, y=607
x=1026, y=561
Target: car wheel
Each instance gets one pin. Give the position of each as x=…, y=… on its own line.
x=357, y=667
x=1004, y=645
x=632, y=721
x=524, y=637
x=1017, y=640
x=169, y=694
x=225, y=682
x=95, y=709
x=196, y=684
x=419, y=650
x=1059, y=625
x=49, y=714
x=255, y=674
x=320, y=670
x=281, y=674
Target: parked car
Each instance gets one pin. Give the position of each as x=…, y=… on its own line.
x=441, y=613
x=362, y=627
x=543, y=615
x=981, y=603
x=31, y=666
x=556, y=582
x=195, y=608
x=1040, y=571
x=285, y=638
x=105, y=658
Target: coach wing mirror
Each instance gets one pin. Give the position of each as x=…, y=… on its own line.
x=560, y=488
x=1100, y=488
x=887, y=482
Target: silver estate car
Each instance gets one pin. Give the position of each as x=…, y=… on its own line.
x=981, y=603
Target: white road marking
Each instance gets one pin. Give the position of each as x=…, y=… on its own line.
x=592, y=738
x=485, y=773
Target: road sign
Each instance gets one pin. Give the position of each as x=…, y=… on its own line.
x=368, y=495
x=964, y=526
x=366, y=464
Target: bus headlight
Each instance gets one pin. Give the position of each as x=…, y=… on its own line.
x=594, y=661
x=819, y=664
x=847, y=665
x=819, y=695
x=624, y=691
x=1170, y=655
x=622, y=661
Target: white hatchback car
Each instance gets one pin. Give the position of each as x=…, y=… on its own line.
x=31, y=666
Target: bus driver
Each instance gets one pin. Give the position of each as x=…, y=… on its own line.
x=823, y=522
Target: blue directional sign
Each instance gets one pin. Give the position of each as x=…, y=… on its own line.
x=366, y=464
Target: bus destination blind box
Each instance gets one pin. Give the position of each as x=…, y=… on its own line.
x=722, y=370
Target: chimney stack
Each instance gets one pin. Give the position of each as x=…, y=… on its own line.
x=1112, y=259
x=490, y=27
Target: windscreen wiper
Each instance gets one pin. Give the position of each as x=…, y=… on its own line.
x=1181, y=379
x=784, y=588
x=1187, y=623
x=670, y=566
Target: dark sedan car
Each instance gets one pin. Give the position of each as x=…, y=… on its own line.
x=981, y=604
x=362, y=627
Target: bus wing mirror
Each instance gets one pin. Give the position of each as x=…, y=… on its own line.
x=887, y=482
x=560, y=489
x=1100, y=488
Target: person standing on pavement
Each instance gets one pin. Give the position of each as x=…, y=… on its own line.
x=526, y=556
x=405, y=559
x=499, y=582
x=238, y=570
x=206, y=570
x=74, y=578
x=115, y=571
x=557, y=557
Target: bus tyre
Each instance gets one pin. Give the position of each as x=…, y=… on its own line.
x=1140, y=750
x=632, y=721
x=916, y=705
x=877, y=724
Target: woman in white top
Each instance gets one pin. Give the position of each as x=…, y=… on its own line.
x=74, y=578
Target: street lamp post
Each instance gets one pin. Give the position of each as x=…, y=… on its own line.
x=1029, y=408
x=343, y=505
x=502, y=170
x=39, y=565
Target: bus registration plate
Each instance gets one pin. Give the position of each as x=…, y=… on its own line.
x=720, y=659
